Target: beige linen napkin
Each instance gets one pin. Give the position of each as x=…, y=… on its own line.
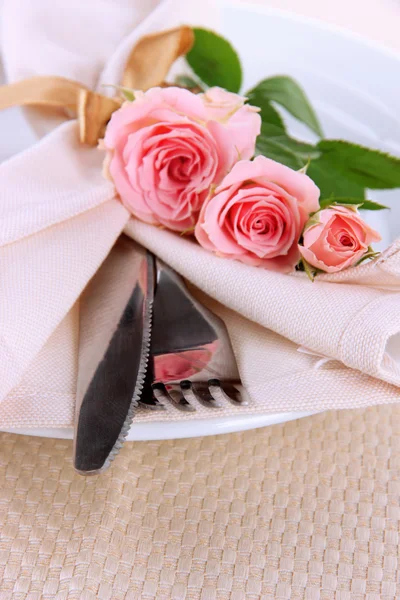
x=59, y=219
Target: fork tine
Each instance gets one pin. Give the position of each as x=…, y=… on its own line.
x=199, y=392
x=173, y=395
x=148, y=399
x=228, y=391
x=150, y=402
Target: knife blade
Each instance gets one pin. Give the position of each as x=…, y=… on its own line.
x=114, y=346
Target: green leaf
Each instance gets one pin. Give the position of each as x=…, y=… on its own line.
x=268, y=113
x=286, y=92
x=332, y=182
x=127, y=94
x=214, y=60
x=370, y=205
x=364, y=205
x=370, y=254
x=274, y=143
x=188, y=82
x=367, y=168
x=310, y=271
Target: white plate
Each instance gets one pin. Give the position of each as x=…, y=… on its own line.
x=355, y=88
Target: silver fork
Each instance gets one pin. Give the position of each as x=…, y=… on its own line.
x=191, y=356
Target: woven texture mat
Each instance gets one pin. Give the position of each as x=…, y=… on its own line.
x=309, y=509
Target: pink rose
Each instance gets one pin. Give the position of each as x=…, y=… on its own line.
x=241, y=119
x=164, y=153
x=336, y=239
x=257, y=214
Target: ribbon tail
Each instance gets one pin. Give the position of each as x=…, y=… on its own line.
x=54, y=92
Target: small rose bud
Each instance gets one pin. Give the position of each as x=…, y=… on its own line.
x=336, y=238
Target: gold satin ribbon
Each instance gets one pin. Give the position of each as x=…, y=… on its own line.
x=147, y=66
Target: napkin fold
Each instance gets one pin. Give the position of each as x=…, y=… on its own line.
x=353, y=323
x=60, y=218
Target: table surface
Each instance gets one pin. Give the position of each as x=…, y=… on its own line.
x=303, y=511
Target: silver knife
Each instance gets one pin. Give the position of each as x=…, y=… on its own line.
x=114, y=346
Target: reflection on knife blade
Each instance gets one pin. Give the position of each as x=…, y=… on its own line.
x=115, y=327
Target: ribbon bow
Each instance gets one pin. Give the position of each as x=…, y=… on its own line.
x=146, y=67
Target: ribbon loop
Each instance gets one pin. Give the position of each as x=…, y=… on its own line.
x=152, y=57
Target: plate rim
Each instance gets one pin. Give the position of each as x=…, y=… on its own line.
x=252, y=6
x=156, y=430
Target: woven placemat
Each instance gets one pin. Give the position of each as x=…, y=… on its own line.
x=309, y=509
